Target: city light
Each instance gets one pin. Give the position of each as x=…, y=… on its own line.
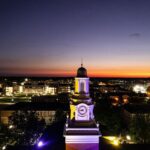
x=10, y=127
x=4, y=147
x=116, y=142
x=112, y=140
x=26, y=79
x=40, y=144
x=139, y=89
x=128, y=137
x=125, y=100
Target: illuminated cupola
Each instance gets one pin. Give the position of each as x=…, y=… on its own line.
x=82, y=81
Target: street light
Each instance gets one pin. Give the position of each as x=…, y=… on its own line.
x=116, y=142
x=128, y=137
x=4, y=147
x=113, y=140
x=40, y=144
x=11, y=126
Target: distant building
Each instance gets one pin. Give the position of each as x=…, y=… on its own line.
x=64, y=88
x=9, y=91
x=33, y=89
x=50, y=90
x=51, y=98
x=21, y=89
x=44, y=110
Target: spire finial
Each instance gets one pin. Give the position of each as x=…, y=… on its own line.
x=81, y=62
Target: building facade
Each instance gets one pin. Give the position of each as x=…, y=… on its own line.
x=81, y=131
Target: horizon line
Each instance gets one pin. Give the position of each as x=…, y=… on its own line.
x=69, y=76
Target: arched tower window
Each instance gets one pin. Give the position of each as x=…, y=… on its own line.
x=82, y=86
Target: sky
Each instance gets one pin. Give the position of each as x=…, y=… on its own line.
x=49, y=37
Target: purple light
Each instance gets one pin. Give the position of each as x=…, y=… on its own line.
x=40, y=144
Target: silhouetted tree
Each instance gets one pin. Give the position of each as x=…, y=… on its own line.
x=4, y=134
x=26, y=127
x=140, y=129
x=109, y=118
x=59, y=115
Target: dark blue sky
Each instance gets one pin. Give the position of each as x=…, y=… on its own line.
x=49, y=37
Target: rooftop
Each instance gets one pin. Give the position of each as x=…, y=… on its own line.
x=138, y=108
x=36, y=106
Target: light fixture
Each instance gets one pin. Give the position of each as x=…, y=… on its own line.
x=11, y=126
x=128, y=137
x=4, y=147
x=116, y=142
x=40, y=144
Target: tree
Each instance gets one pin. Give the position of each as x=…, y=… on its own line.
x=3, y=134
x=59, y=115
x=109, y=118
x=140, y=128
x=26, y=127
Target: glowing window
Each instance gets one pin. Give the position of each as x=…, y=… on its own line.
x=82, y=87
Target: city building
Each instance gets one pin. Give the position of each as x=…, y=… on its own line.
x=9, y=91
x=64, y=88
x=81, y=131
x=44, y=110
x=50, y=90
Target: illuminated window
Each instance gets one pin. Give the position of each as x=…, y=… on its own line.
x=82, y=86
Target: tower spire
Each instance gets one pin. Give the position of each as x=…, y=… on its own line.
x=81, y=62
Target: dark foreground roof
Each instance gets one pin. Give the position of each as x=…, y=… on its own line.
x=37, y=106
x=82, y=124
x=138, y=108
x=61, y=146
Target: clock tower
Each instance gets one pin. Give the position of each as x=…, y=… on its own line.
x=81, y=131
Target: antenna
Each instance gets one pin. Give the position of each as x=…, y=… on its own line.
x=81, y=62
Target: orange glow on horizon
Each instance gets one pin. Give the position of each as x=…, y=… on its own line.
x=92, y=72
x=121, y=72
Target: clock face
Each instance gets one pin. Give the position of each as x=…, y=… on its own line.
x=82, y=110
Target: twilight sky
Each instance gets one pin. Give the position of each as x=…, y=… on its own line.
x=49, y=37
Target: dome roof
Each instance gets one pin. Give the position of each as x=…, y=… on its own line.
x=82, y=72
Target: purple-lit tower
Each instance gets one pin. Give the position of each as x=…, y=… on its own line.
x=81, y=131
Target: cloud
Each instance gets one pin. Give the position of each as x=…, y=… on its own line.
x=135, y=35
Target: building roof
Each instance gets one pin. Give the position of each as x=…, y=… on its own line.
x=37, y=106
x=138, y=108
x=82, y=132
x=82, y=124
x=82, y=72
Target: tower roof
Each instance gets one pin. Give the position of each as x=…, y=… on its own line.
x=81, y=72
